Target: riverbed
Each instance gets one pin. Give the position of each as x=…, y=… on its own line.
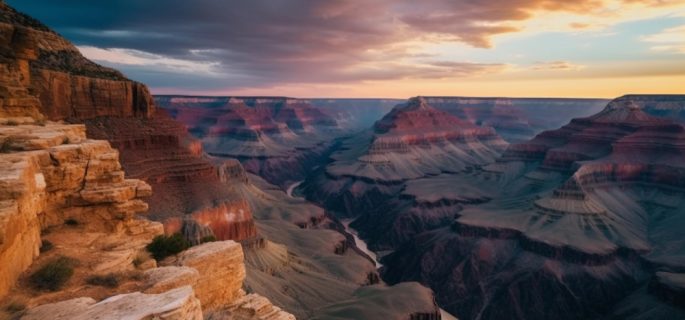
x=362, y=245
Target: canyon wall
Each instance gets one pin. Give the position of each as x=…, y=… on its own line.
x=153, y=147
x=585, y=215
x=279, y=139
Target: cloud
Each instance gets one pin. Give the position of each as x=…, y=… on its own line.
x=670, y=40
x=557, y=66
x=266, y=43
x=131, y=57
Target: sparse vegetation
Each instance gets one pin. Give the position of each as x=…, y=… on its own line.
x=14, y=307
x=54, y=274
x=110, y=280
x=208, y=239
x=46, y=246
x=12, y=123
x=71, y=222
x=66, y=140
x=164, y=246
x=6, y=146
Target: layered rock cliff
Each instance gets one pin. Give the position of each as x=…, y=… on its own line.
x=585, y=215
x=371, y=169
x=517, y=119
x=70, y=225
x=279, y=139
x=68, y=84
x=153, y=147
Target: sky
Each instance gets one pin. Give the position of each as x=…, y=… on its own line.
x=381, y=48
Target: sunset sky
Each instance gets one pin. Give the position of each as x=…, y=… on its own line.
x=381, y=48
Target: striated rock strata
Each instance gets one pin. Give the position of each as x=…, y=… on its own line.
x=371, y=169
x=279, y=139
x=517, y=119
x=574, y=224
x=153, y=147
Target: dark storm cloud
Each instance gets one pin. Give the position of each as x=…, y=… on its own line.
x=263, y=42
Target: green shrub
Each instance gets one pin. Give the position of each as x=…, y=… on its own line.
x=14, y=307
x=54, y=274
x=71, y=222
x=110, y=280
x=6, y=146
x=164, y=246
x=208, y=239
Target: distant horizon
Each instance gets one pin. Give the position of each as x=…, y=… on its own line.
x=402, y=99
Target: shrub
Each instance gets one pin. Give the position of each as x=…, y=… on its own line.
x=164, y=246
x=6, y=146
x=12, y=123
x=14, y=307
x=46, y=246
x=208, y=239
x=110, y=280
x=54, y=274
x=71, y=222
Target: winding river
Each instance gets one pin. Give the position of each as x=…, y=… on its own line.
x=361, y=244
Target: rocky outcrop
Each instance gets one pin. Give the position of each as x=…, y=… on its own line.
x=54, y=174
x=602, y=193
x=221, y=269
x=191, y=189
x=68, y=84
x=177, y=304
x=276, y=138
x=366, y=177
x=153, y=147
x=516, y=119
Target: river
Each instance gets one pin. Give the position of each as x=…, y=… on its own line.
x=362, y=245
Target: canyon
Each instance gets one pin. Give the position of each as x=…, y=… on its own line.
x=418, y=209
x=88, y=152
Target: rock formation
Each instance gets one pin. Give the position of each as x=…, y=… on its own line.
x=516, y=119
x=276, y=138
x=68, y=84
x=573, y=223
x=178, y=304
x=153, y=147
x=87, y=219
x=371, y=169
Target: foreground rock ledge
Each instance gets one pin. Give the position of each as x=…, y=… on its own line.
x=177, y=304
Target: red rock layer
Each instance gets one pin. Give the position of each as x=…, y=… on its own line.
x=516, y=119
x=244, y=116
x=276, y=138
x=153, y=146
x=585, y=138
x=187, y=185
x=68, y=84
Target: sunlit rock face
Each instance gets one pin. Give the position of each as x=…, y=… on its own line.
x=153, y=147
x=517, y=119
x=411, y=142
x=279, y=139
x=68, y=84
x=584, y=215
